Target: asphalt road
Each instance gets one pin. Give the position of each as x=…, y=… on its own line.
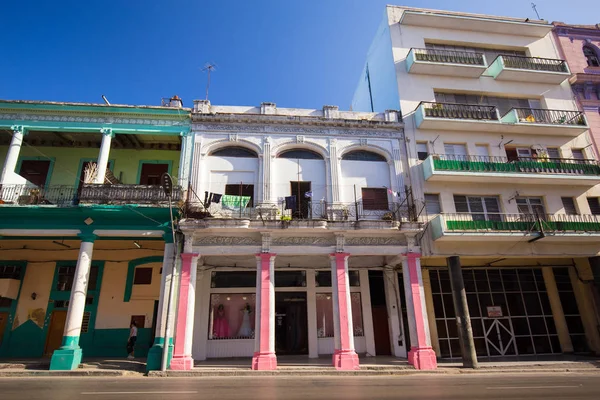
x=487, y=387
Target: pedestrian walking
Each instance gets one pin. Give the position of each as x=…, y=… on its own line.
x=131, y=341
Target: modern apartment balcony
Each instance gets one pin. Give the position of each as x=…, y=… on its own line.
x=529, y=69
x=88, y=194
x=445, y=62
x=534, y=171
x=545, y=122
x=513, y=227
x=459, y=117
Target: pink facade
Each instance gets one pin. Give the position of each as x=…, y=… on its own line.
x=579, y=45
x=182, y=356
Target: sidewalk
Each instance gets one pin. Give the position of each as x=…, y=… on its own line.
x=302, y=366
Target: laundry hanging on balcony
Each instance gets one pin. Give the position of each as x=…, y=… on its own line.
x=210, y=198
x=230, y=202
x=290, y=202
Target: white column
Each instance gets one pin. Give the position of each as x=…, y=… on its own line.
x=185, y=159
x=107, y=135
x=367, y=312
x=334, y=167
x=396, y=171
x=393, y=311
x=12, y=157
x=68, y=356
x=311, y=308
x=266, y=171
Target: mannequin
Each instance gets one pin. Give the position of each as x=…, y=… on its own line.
x=220, y=324
x=245, y=329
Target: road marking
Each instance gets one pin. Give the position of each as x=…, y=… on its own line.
x=530, y=387
x=154, y=392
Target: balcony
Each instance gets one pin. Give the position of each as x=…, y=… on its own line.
x=545, y=122
x=67, y=196
x=317, y=215
x=513, y=227
x=472, y=169
x=460, y=117
x=444, y=62
x=529, y=69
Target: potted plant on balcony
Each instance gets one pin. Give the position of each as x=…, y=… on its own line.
x=285, y=221
x=388, y=216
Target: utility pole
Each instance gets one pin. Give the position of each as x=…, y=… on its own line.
x=209, y=67
x=463, y=319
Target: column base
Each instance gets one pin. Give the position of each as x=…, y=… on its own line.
x=154, y=358
x=66, y=359
x=345, y=360
x=422, y=358
x=264, y=362
x=182, y=363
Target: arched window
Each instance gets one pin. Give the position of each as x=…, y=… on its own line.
x=591, y=56
x=234, y=151
x=363, y=155
x=300, y=154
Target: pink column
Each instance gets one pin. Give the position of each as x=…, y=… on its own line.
x=184, y=329
x=344, y=356
x=421, y=355
x=264, y=326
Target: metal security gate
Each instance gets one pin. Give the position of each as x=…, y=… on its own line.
x=509, y=308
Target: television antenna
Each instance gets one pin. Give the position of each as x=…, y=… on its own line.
x=535, y=9
x=208, y=68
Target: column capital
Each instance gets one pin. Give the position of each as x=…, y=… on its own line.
x=19, y=128
x=263, y=256
x=107, y=132
x=185, y=133
x=87, y=237
x=189, y=256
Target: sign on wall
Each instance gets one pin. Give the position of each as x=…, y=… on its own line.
x=494, y=311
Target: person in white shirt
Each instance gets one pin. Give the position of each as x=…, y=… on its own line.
x=131, y=341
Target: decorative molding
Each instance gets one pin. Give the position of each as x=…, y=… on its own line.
x=270, y=129
x=107, y=132
x=374, y=241
x=266, y=242
x=303, y=241
x=97, y=120
x=233, y=137
x=300, y=139
x=340, y=242
x=227, y=241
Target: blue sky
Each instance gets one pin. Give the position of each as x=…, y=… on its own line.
x=296, y=53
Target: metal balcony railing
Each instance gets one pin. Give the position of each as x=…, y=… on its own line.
x=68, y=195
x=528, y=165
x=552, y=117
x=449, y=56
x=474, y=222
x=534, y=63
x=126, y=194
x=460, y=111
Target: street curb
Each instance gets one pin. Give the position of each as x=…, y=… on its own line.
x=44, y=373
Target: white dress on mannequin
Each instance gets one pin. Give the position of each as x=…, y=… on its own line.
x=245, y=330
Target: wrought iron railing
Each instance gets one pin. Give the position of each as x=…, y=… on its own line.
x=464, y=222
x=126, y=194
x=552, y=117
x=529, y=165
x=27, y=195
x=449, y=56
x=534, y=63
x=68, y=195
x=320, y=210
x=460, y=111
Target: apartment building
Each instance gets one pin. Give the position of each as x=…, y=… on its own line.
x=503, y=159
x=85, y=226
x=296, y=227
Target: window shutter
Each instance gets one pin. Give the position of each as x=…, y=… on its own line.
x=577, y=154
x=432, y=204
x=460, y=203
x=594, y=205
x=374, y=199
x=569, y=205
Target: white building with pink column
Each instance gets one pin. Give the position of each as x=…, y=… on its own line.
x=300, y=240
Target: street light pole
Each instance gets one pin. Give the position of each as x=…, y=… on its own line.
x=167, y=185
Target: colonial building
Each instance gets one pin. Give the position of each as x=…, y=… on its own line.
x=503, y=158
x=85, y=225
x=301, y=239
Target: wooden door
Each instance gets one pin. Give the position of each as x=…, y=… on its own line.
x=35, y=171
x=55, y=331
x=381, y=331
x=300, y=190
x=3, y=323
x=151, y=173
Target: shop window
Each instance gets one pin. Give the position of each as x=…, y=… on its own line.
x=375, y=199
x=143, y=276
x=231, y=316
x=325, y=315
x=323, y=278
x=422, y=152
x=233, y=279
x=290, y=278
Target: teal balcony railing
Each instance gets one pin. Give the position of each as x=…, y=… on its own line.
x=534, y=63
x=525, y=165
x=474, y=222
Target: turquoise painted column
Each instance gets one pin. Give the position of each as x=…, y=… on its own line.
x=12, y=156
x=153, y=361
x=68, y=356
x=107, y=135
